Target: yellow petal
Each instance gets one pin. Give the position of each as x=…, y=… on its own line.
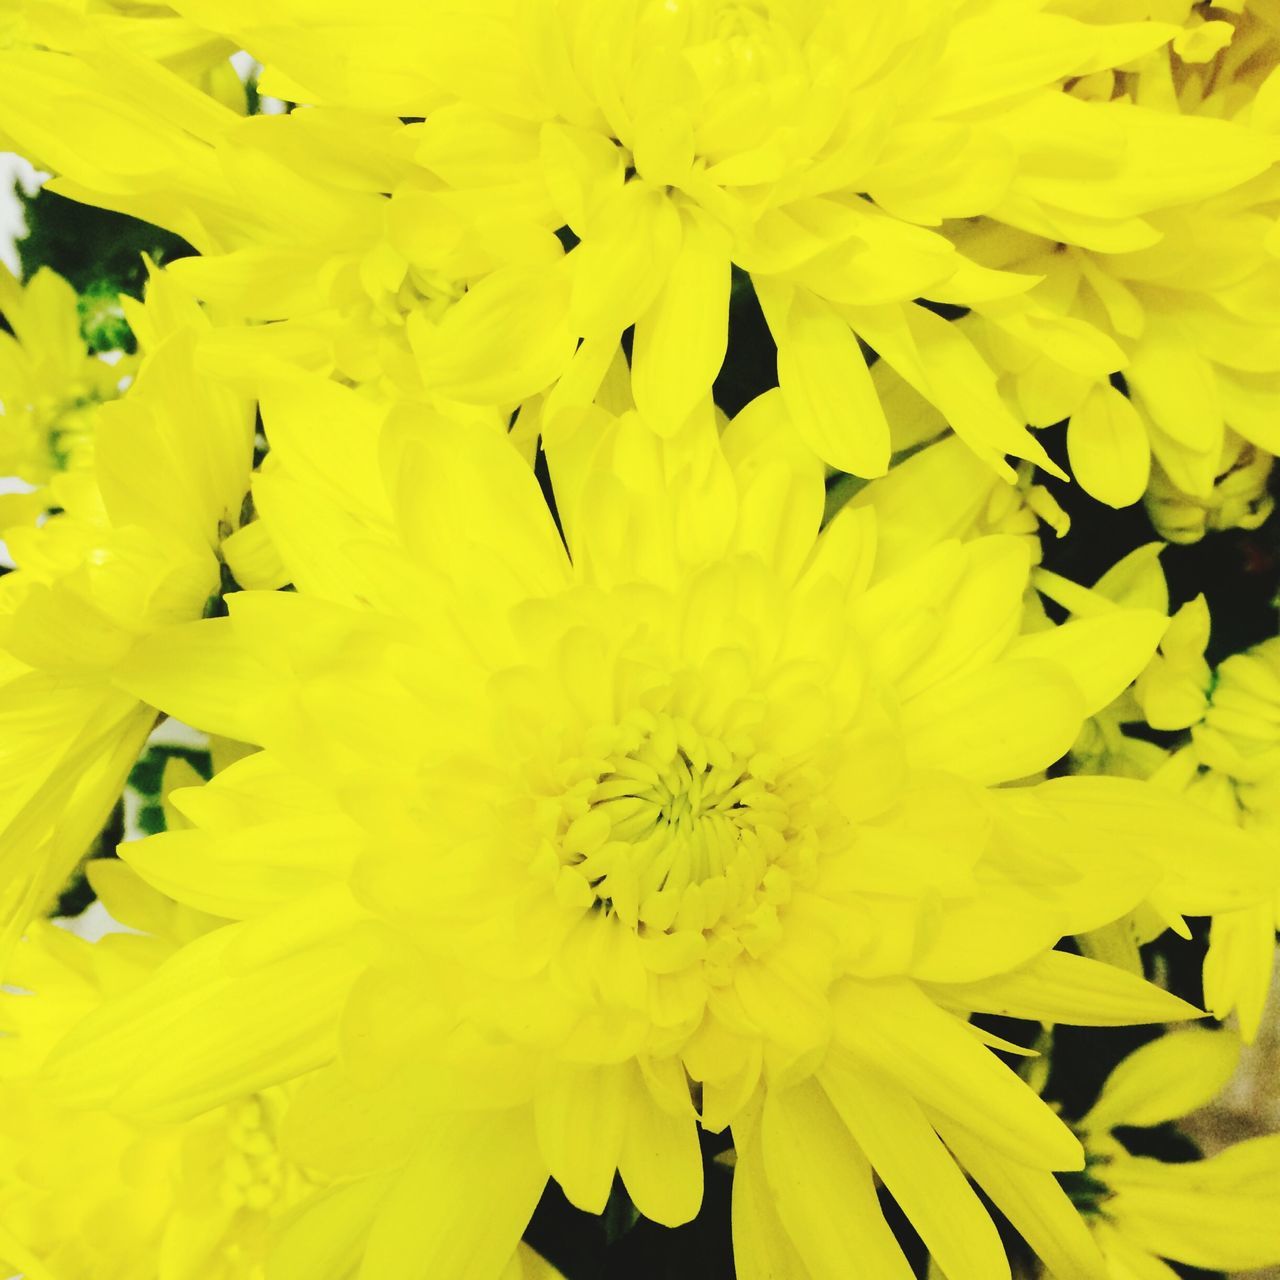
x=507, y=338
x=1060, y=987
x=906, y=1153
x=762, y=1249
x=1034, y=1202
x=1108, y=447
x=1005, y=721
x=1238, y=968
x=900, y=1031
x=681, y=340
x=1103, y=655
x=660, y=1160
x=825, y=382
x=213, y=1024
x=481, y=1176
x=822, y=1185
x=581, y=1116
x=1166, y=1079
x=1221, y=1214
x=471, y=509
x=324, y=1238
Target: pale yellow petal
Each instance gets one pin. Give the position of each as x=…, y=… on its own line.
x=823, y=373
x=581, y=1117
x=1108, y=447
x=1166, y=1079
x=461, y=1205
x=922, y=1177
x=1060, y=987
x=1034, y=1202
x=681, y=340
x=660, y=1160
x=822, y=1186
x=900, y=1031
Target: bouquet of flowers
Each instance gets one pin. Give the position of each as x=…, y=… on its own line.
x=648, y=630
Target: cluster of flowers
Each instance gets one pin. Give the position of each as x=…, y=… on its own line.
x=613, y=777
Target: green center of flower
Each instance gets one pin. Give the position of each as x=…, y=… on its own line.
x=675, y=830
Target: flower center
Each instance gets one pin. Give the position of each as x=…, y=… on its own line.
x=254, y=1175
x=675, y=830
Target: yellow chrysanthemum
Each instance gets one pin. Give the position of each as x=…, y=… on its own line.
x=828, y=155
x=143, y=540
x=145, y=27
x=1226, y=758
x=1222, y=1213
x=85, y=1193
x=50, y=386
x=322, y=220
x=945, y=491
x=1239, y=498
x=551, y=858
x=1187, y=300
x=1233, y=766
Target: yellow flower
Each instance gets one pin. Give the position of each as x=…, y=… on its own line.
x=321, y=220
x=152, y=28
x=50, y=386
x=539, y=838
x=1185, y=298
x=1239, y=499
x=946, y=491
x=87, y=1193
x=829, y=157
x=142, y=541
x=1227, y=760
x=1222, y=1213
x=1236, y=753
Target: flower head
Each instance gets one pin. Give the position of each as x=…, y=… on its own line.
x=1219, y=1213
x=140, y=542
x=1179, y=301
x=50, y=386
x=558, y=850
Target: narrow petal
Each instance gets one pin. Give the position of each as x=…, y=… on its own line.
x=907, y=1154
x=681, y=340
x=898, y=1030
x=1238, y=968
x=825, y=381
x=1222, y=1214
x=1123, y=814
x=1060, y=987
x=1166, y=1079
x=823, y=1189
x=1034, y=1202
x=762, y=1249
x=218, y=1020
